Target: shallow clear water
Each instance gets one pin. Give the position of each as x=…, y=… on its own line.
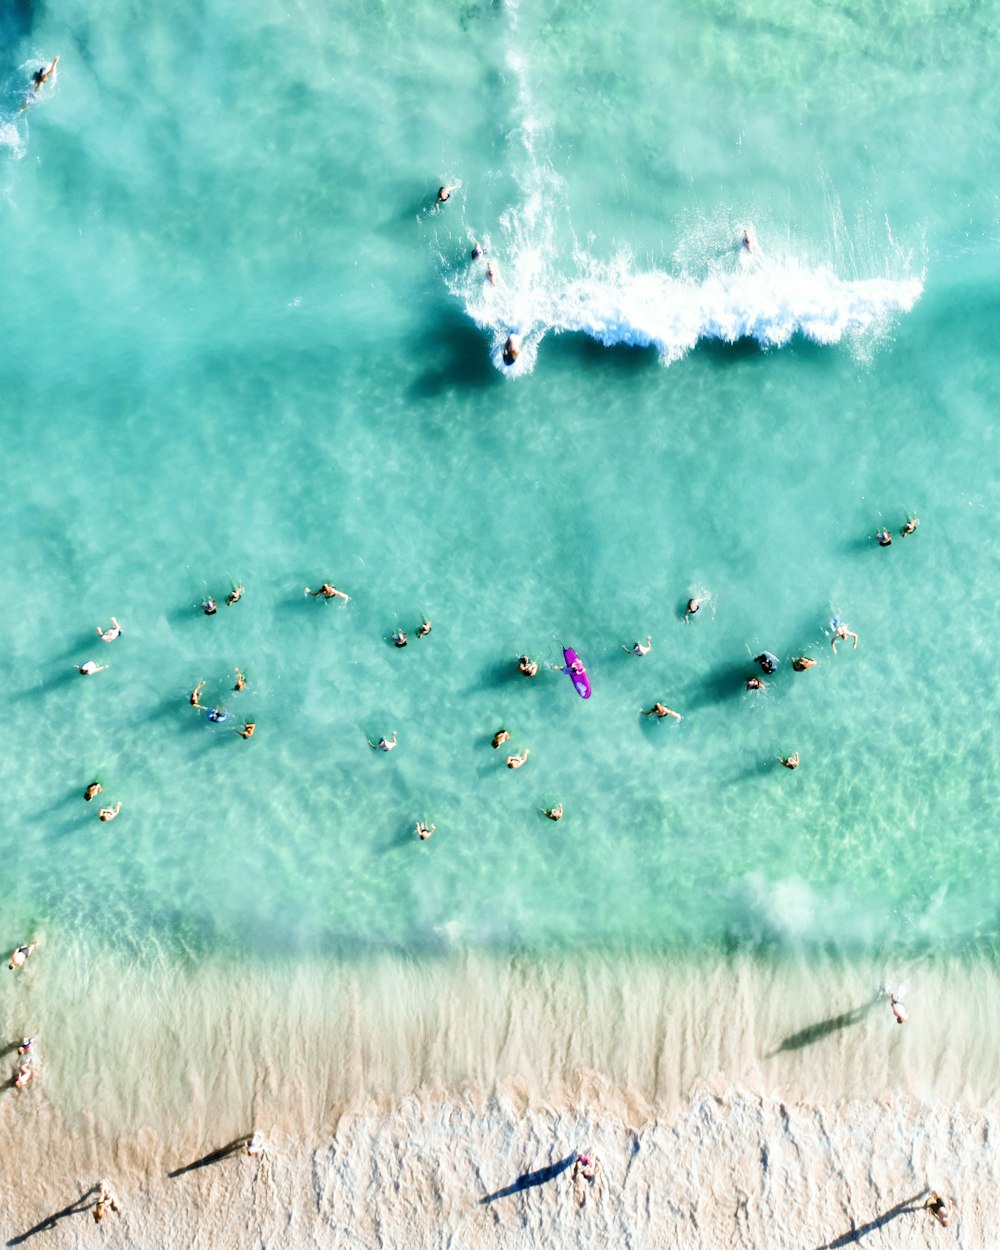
x=237, y=345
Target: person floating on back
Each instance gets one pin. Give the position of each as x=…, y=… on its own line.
x=424, y=830
x=841, y=631
x=91, y=667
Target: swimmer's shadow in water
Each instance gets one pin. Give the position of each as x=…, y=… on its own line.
x=457, y=356
x=824, y=1028
x=504, y=673
x=81, y=1204
x=529, y=1180
x=725, y=684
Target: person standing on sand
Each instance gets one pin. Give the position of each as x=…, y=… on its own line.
x=24, y=1076
x=659, y=710
x=21, y=954
x=640, y=648
x=107, y=1200
x=939, y=1208
x=255, y=1146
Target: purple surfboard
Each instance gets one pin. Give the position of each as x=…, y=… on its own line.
x=576, y=672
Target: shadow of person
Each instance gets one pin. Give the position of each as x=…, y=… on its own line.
x=856, y=1232
x=816, y=1032
x=214, y=1156
x=75, y=1208
x=529, y=1180
x=725, y=684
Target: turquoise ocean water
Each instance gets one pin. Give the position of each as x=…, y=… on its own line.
x=238, y=345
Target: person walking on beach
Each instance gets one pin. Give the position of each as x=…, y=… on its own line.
x=424, y=628
x=383, y=744
x=248, y=730
x=898, y=1008
x=93, y=790
x=21, y=954
x=640, y=648
x=24, y=1076
x=424, y=830
x=789, y=761
x=193, y=696
x=110, y=813
x=109, y=635
x=241, y=680
x=500, y=737
x=527, y=666
x=843, y=633
x=801, y=662
x=91, y=667
x=553, y=813
x=107, y=1200
x=939, y=1208
x=235, y=595
x=25, y=1046
x=255, y=1145
x=328, y=591
x=912, y=522
x=515, y=761
x=693, y=606
x=659, y=710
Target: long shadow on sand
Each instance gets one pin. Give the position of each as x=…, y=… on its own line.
x=855, y=1233
x=529, y=1180
x=214, y=1156
x=816, y=1032
x=81, y=1204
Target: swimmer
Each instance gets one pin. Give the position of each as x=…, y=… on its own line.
x=527, y=666
x=109, y=635
x=21, y=954
x=884, y=538
x=217, y=715
x=693, y=606
x=898, y=1009
x=25, y=1046
x=109, y=813
x=193, y=696
x=424, y=830
x=938, y=1208
x=767, y=662
x=639, y=648
x=90, y=667
x=477, y=249
x=443, y=196
x=755, y=683
x=235, y=595
x=659, y=710
x=911, y=524
x=553, y=813
x=326, y=591
x=248, y=729
x=383, y=744
x=746, y=241
x=424, y=628
x=93, y=789
x=24, y=1075
x=399, y=638
x=801, y=662
x=255, y=1143
x=789, y=761
x=241, y=680
x=209, y=606
x=41, y=76
x=511, y=349
x=491, y=273
x=842, y=632
x=500, y=737
x=515, y=761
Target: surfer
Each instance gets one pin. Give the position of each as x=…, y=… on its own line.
x=693, y=605
x=93, y=789
x=500, y=737
x=399, y=638
x=21, y=954
x=90, y=667
x=884, y=538
x=515, y=761
x=443, y=196
x=109, y=635
x=327, y=591
x=553, y=813
x=109, y=813
x=768, y=662
x=789, y=761
x=659, y=710
x=511, y=349
x=235, y=595
x=424, y=628
x=801, y=662
x=193, y=696
x=841, y=631
x=383, y=744
x=912, y=522
x=639, y=648
x=424, y=830
x=755, y=683
x=527, y=666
